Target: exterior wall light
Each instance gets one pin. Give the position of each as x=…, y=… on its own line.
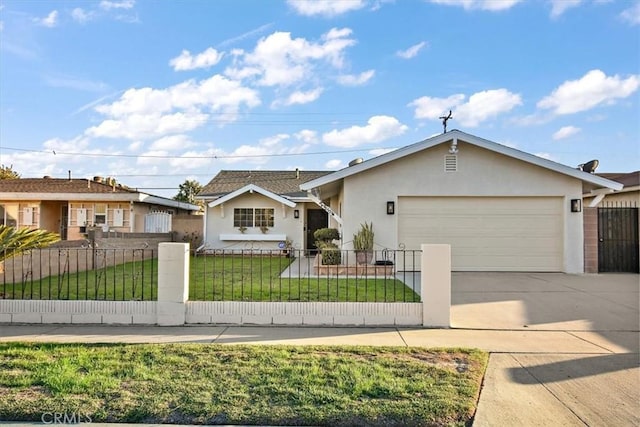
x=576, y=205
x=296, y=213
x=391, y=208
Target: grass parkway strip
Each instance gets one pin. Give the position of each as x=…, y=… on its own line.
x=252, y=385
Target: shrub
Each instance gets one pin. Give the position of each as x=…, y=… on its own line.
x=326, y=235
x=363, y=239
x=331, y=255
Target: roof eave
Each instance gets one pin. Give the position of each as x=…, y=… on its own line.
x=248, y=189
x=471, y=139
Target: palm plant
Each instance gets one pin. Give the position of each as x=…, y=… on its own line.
x=14, y=241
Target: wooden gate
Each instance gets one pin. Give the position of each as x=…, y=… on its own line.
x=618, y=243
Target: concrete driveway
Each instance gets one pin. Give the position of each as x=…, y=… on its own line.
x=555, y=386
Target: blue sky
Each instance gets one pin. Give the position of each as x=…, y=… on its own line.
x=156, y=92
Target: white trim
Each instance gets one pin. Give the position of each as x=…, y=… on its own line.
x=254, y=237
x=249, y=189
x=148, y=198
x=596, y=200
x=99, y=197
x=470, y=139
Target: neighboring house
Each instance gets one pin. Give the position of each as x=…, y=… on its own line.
x=628, y=196
x=612, y=226
x=69, y=206
x=499, y=208
x=254, y=209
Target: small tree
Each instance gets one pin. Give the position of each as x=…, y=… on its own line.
x=188, y=191
x=14, y=241
x=7, y=172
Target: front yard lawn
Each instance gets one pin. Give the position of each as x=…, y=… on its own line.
x=228, y=278
x=218, y=384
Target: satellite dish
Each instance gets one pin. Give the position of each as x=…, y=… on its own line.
x=356, y=161
x=590, y=167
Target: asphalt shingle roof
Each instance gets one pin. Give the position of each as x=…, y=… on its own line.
x=58, y=185
x=628, y=179
x=284, y=183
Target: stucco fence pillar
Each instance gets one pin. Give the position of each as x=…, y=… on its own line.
x=436, y=286
x=173, y=283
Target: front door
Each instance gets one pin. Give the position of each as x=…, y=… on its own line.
x=316, y=218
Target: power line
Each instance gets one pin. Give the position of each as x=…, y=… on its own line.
x=213, y=156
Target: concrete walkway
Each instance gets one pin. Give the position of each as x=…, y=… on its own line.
x=564, y=349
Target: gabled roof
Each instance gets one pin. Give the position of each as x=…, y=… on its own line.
x=470, y=139
x=250, y=189
x=628, y=179
x=284, y=183
x=80, y=190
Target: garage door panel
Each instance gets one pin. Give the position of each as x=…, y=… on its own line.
x=486, y=233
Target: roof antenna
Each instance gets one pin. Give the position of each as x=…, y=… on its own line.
x=445, y=119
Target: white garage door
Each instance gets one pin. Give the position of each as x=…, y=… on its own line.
x=486, y=233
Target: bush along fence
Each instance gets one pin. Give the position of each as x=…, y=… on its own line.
x=239, y=287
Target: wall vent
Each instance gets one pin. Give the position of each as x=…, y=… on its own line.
x=451, y=163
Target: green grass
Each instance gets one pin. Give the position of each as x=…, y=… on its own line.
x=216, y=384
x=130, y=281
x=229, y=278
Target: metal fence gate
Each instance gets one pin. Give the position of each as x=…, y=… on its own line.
x=618, y=241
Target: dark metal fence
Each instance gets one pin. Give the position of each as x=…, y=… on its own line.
x=81, y=274
x=217, y=275
x=618, y=238
x=297, y=275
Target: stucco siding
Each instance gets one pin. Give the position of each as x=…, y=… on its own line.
x=219, y=222
x=479, y=173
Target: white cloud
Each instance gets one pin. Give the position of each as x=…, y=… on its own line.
x=124, y=4
x=49, y=21
x=377, y=129
x=432, y=108
x=300, y=97
x=412, y=51
x=145, y=126
x=80, y=15
x=356, y=79
x=186, y=61
x=486, y=105
x=334, y=164
x=566, y=132
x=307, y=136
x=592, y=89
x=380, y=151
x=325, y=7
x=481, y=106
x=490, y=5
x=632, y=14
x=171, y=143
x=279, y=60
x=275, y=140
x=558, y=7
x=151, y=113
x=135, y=146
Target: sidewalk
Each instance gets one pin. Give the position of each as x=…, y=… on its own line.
x=537, y=377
